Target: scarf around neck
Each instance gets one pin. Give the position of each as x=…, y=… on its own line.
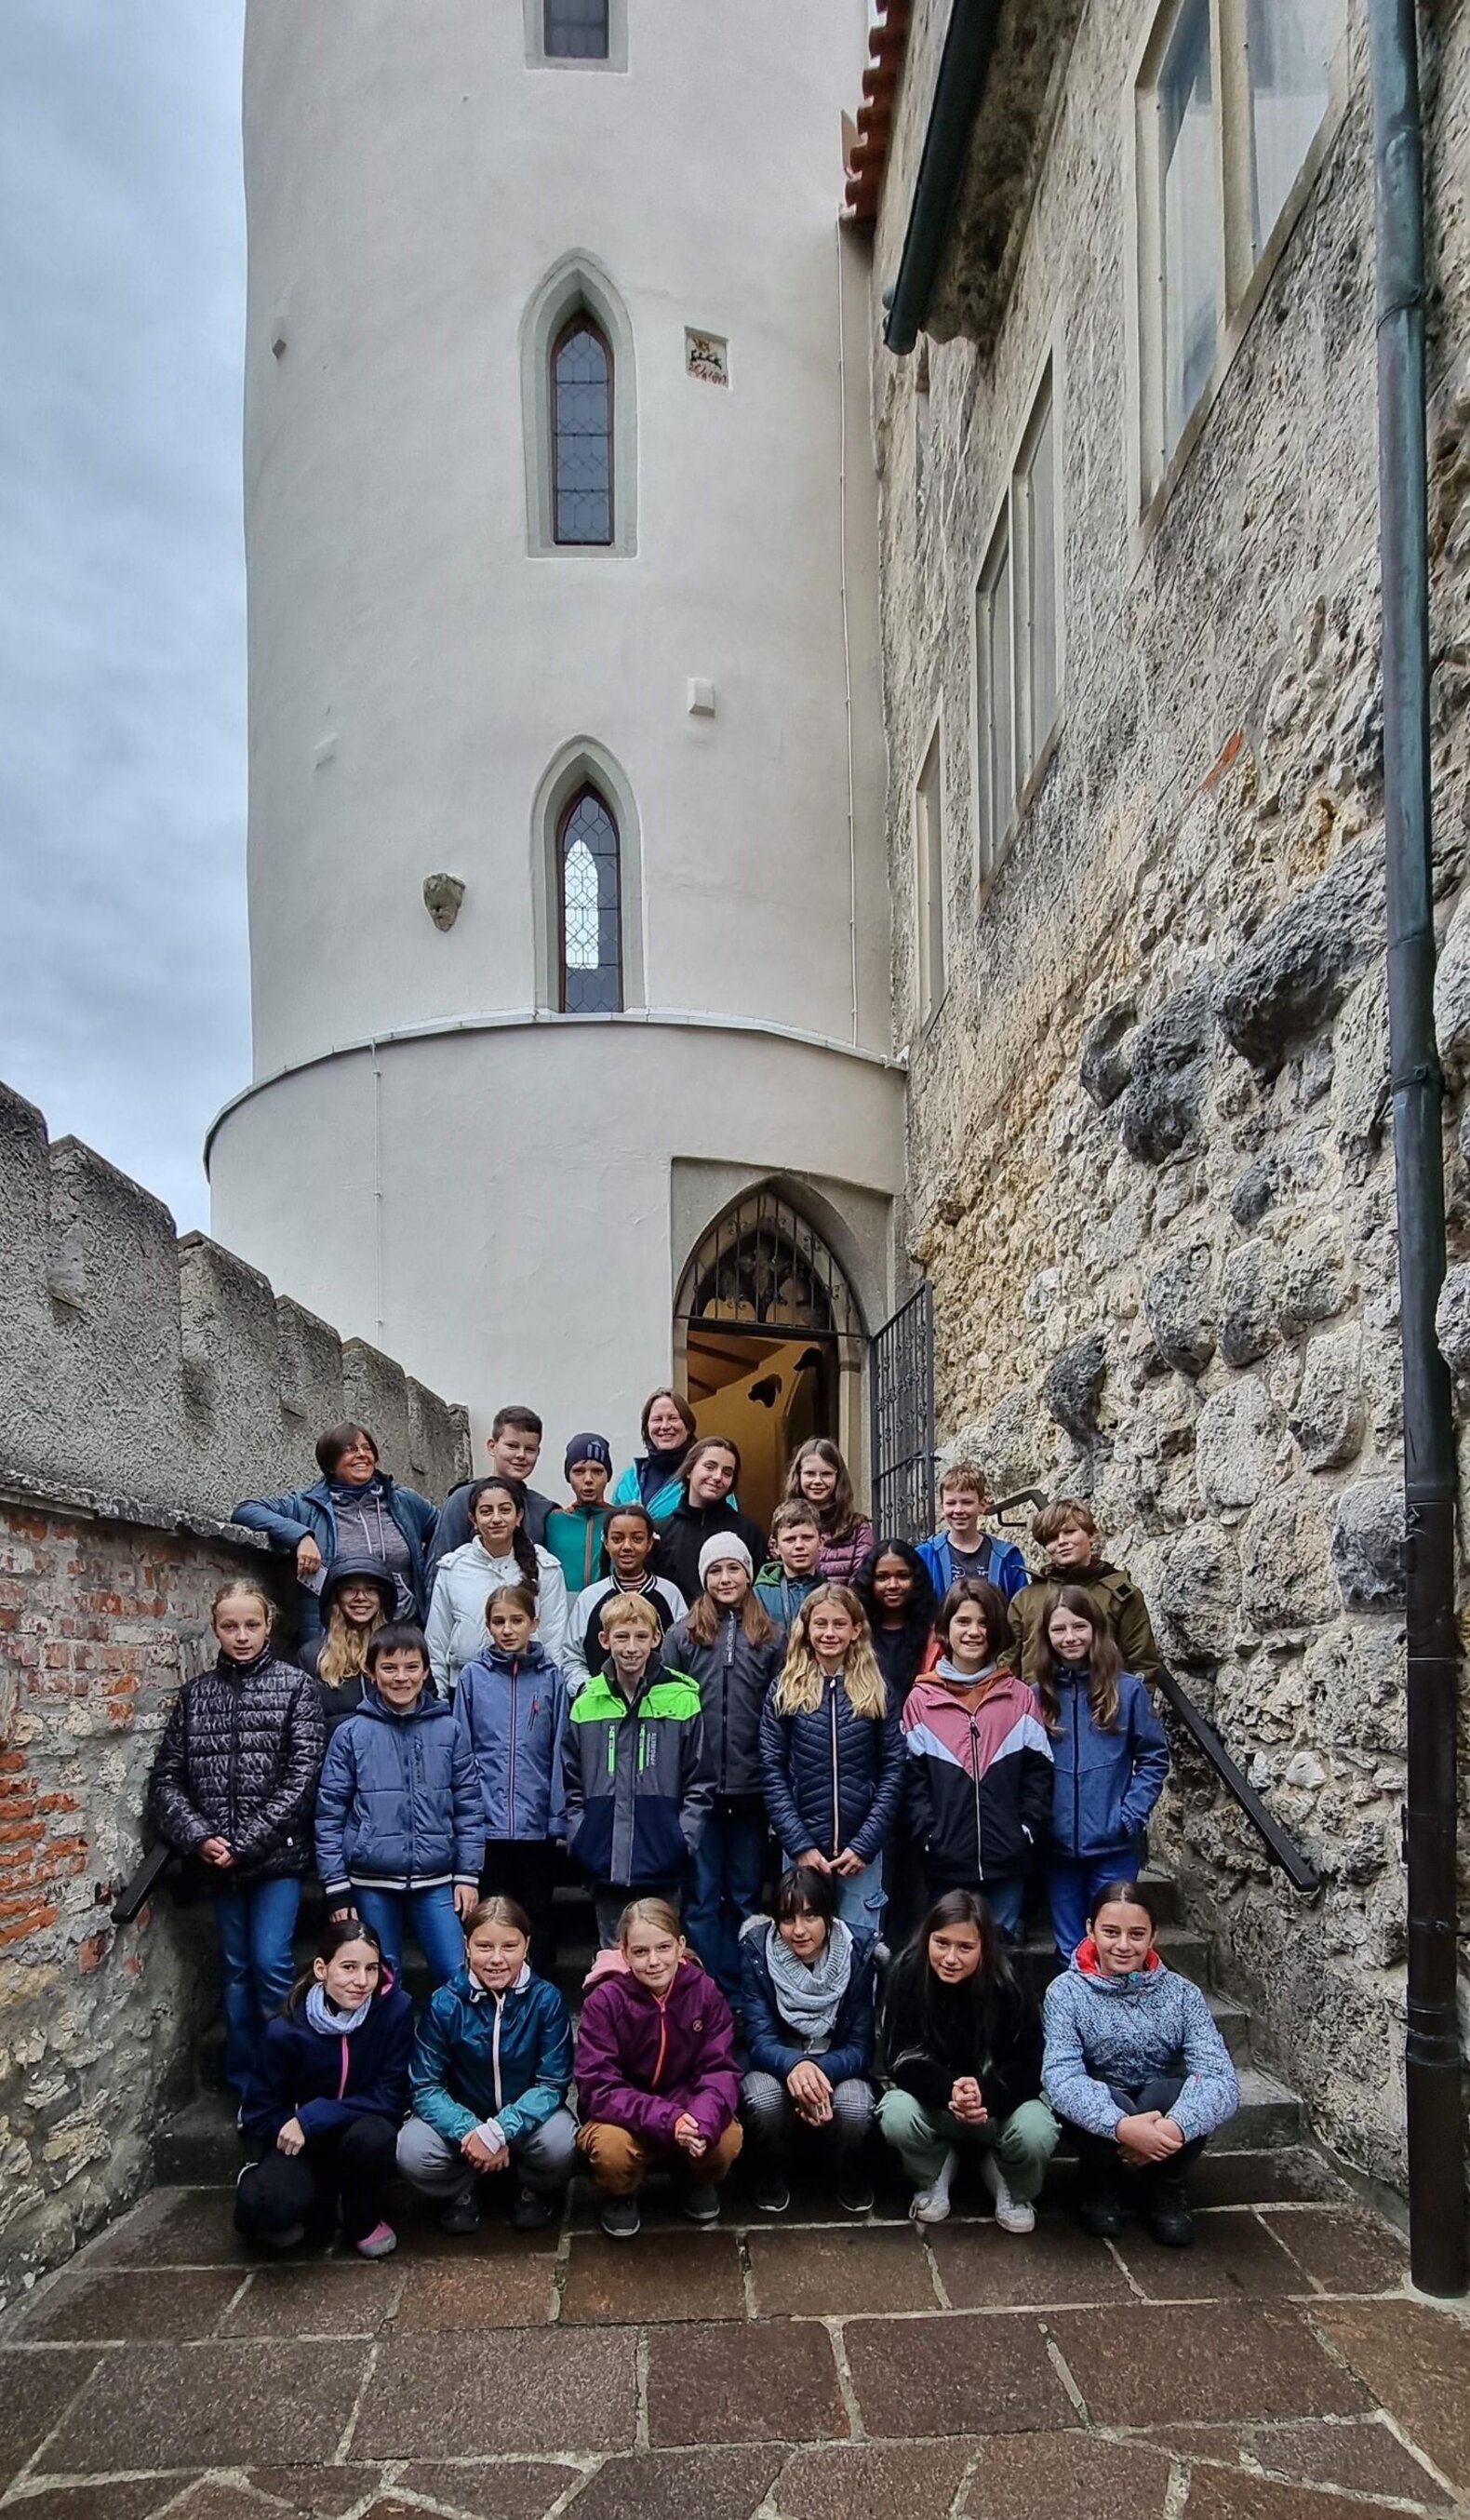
x=811, y=1999
x=325, y=2017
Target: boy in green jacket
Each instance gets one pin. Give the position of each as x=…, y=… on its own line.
x=638, y=1792
x=1067, y=1531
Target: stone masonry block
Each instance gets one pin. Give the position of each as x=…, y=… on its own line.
x=374, y=1391
x=112, y=1366
x=232, y=1372
x=1293, y=976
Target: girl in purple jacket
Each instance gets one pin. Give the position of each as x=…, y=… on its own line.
x=657, y=2081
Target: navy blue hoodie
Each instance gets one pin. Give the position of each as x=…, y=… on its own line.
x=328, y=2081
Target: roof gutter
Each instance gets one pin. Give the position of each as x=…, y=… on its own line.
x=964, y=71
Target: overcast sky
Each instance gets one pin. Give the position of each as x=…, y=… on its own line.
x=124, y=986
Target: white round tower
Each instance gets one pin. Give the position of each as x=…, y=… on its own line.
x=568, y=900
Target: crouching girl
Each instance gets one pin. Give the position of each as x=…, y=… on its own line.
x=656, y=2080
x=807, y=1983
x=331, y=2089
x=1136, y=2068
x=490, y=2077
x=964, y=2046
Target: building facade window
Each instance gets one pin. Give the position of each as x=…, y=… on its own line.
x=581, y=384
x=1018, y=646
x=590, y=954
x=1231, y=101
x=928, y=849
x=574, y=31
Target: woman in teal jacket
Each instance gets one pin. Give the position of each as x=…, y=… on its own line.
x=669, y=1428
x=490, y=2077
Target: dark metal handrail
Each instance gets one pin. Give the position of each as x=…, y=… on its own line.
x=1278, y=1846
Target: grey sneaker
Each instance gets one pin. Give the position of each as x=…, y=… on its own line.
x=461, y=2216
x=621, y=2220
x=702, y=2204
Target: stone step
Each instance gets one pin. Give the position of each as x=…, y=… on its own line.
x=198, y=2147
x=1234, y=2023
x=1269, y=2115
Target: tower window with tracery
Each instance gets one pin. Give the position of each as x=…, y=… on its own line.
x=582, y=433
x=591, y=959
x=575, y=30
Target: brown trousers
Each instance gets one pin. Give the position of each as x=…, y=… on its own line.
x=619, y=2162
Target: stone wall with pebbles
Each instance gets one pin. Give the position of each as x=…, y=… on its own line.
x=1150, y=1137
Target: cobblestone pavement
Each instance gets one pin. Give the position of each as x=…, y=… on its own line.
x=808, y=2370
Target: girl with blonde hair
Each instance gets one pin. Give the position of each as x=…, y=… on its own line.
x=832, y=1752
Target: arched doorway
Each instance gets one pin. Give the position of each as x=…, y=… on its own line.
x=769, y=1343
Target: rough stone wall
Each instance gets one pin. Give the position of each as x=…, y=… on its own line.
x=1150, y=1157
x=136, y=1364
x=102, y=1616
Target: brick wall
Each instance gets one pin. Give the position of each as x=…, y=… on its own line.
x=102, y=1615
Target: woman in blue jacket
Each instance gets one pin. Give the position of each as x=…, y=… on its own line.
x=1110, y=1756
x=331, y=2090
x=354, y=1509
x=400, y=1840
x=807, y=1991
x=832, y=1753
x=669, y=1427
x=490, y=2079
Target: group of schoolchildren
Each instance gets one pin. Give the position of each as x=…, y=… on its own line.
x=924, y=1731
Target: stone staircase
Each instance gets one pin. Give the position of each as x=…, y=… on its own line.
x=198, y=2146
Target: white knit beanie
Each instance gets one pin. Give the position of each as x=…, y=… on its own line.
x=725, y=1544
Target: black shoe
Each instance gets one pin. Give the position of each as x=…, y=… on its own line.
x=1100, y=2211
x=772, y=2194
x=855, y=2196
x=1170, y=2220
x=529, y=2211
x=620, y=2217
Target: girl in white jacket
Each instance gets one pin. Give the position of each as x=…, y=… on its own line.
x=498, y=1553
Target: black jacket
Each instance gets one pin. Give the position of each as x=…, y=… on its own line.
x=926, y=2057
x=342, y=1698
x=734, y=1678
x=685, y=1534
x=240, y=1759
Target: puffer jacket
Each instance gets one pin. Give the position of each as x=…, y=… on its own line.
x=344, y=1570
x=684, y=1535
x=463, y=1585
x=327, y=2082
x=1126, y=2030
x=641, y=2066
x=481, y=2056
x=926, y=2053
x=638, y=1790
x=774, y=2045
x=841, y=1559
x=733, y=1677
x=1114, y=1591
x=240, y=1759
x=1104, y=1784
x=979, y=1785
x=308, y=1513
x=510, y=1711
x=833, y=1779
x=399, y=1806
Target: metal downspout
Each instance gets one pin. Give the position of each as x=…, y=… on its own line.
x=964, y=69
x=1433, y=2068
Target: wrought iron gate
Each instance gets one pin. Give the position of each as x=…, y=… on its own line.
x=901, y=1384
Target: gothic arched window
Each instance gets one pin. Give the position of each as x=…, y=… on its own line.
x=581, y=384
x=590, y=959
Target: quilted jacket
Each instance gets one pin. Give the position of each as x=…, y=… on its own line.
x=399, y=1808
x=240, y=1759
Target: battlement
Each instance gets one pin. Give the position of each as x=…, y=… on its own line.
x=134, y=1362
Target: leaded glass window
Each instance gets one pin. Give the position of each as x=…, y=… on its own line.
x=575, y=30
x=589, y=899
x=582, y=433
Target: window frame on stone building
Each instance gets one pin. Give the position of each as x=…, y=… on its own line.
x=540, y=53
x=577, y=290
x=605, y=855
x=1017, y=710
x=567, y=442
x=1220, y=232
x=930, y=887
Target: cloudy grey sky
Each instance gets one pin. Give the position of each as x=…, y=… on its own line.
x=124, y=1000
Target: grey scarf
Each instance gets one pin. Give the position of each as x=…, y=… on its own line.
x=811, y=1999
x=325, y=2017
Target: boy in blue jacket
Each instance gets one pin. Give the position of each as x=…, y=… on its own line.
x=964, y=1547
x=400, y=1840
x=490, y=2077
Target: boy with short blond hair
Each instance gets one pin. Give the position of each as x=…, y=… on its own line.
x=794, y=1568
x=1067, y=1530
x=637, y=1789
x=963, y=1547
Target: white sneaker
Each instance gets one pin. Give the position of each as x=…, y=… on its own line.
x=933, y=2204
x=1010, y=2214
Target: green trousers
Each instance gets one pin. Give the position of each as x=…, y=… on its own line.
x=1023, y=2144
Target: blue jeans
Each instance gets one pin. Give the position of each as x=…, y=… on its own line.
x=1073, y=1882
x=728, y=1870
x=254, y=1921
x=861, y=1898
x=430, y=1913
